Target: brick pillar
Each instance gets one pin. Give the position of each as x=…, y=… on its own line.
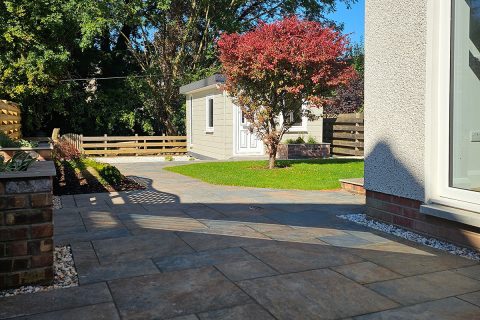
x=26, y=228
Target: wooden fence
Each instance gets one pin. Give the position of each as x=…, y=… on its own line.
x=10, y=118
x=345, y=133
x=129, y=145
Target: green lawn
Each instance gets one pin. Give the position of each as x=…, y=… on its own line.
x=291, y=174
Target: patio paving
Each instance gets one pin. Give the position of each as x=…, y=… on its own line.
x=184, y=249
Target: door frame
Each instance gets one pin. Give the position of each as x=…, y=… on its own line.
x=437, y=152
x=236, y=141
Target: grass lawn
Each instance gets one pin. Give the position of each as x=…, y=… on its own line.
x=291, y=174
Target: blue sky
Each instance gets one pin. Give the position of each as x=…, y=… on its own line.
x=353, y=19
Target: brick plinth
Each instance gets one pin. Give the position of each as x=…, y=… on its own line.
x=26, y=231
x=406, y=213
x=303, y=151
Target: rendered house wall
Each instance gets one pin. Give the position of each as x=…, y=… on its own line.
x=395, y=92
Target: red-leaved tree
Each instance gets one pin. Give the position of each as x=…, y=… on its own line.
x=275, y=69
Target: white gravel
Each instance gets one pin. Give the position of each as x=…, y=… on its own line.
x=65, y=274
x=57, y=202
x=412, y=236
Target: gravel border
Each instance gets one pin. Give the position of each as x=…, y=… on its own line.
x=412, y=236
x=65, y=275
x=57, y=202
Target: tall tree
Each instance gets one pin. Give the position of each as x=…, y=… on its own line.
x=171, y=42
x=274, y=70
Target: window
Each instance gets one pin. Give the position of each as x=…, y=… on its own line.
x=209, y=114
x=299, y=120
x=453, y=147
x=465, y=96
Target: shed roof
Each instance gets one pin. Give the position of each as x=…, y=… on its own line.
x=212, y=80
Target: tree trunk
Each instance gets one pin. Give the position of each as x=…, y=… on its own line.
x=272, y=155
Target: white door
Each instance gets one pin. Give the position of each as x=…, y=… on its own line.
x=245, y=142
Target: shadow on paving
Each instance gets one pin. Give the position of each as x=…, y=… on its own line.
x=254, y=255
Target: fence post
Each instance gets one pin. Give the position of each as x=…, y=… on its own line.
x=105, y=142
x=136, y=142
x=80, y=142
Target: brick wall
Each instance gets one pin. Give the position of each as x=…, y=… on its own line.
x=26, y=231
x=303, y=151
x=406, y=213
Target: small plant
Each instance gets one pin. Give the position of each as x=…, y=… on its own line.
x=169, y=158
x=111, y=174
x=27, y=144
x=65, y=150
x=311, y=140
x=7, y=142
x=20, y=161
x=299, y=140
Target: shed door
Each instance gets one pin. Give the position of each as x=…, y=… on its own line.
x=245, y=142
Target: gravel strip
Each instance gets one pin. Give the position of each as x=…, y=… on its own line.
x=412, y=236
x=64, y=273
x=57, y=202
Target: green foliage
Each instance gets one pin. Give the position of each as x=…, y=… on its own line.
x=311, y=140
x=7, y=142
x=298, y=140
x=290, y=174
x=168, y=158
x=20, y=161
x=44, y=42
x=110, y=174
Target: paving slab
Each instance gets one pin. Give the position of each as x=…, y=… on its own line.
x=202, y=259
x=366, y=272
x=202, y=241
x=175, y=293
x=472, y=271
x=410, y=259
x=29, y=304
x=167, y=223
x=289, y=258
x=248, y=311
x=426, y=287
x=102, y=311
x=139, y=247
x=117, y=270
x=473, y=297
x=445, y=309
x=317, y=294
x=90, y=236
x=243, y=270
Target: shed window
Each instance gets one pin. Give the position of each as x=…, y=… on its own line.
x=209, y=114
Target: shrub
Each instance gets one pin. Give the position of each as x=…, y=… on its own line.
x=168, y=158
x=27, y=144
x=20, y=161
x=311, y=140
x=299, y=140
x=111, y=174
x=108, y=172
x=7, y=142
x=65, y=150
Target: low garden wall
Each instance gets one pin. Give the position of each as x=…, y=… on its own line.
x=26, y=228
x=303, y=151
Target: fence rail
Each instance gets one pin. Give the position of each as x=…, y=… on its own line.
x=129, y=145
x=10, y=119
x=346, y=134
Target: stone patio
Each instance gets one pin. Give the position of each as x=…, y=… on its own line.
x=183, y=249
